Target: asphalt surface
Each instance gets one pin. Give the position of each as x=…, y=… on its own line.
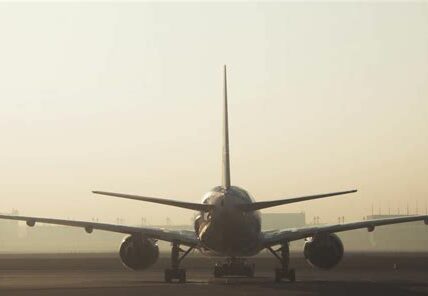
x=103, y=274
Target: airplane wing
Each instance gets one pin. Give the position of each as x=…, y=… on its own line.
x=275, y=237
x=185, y=237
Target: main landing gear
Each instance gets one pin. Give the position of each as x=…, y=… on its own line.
x=175, y=272
x=283, y=255
x=234, y=267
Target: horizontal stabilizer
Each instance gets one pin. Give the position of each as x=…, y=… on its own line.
x=268, y=204
x=169, y=202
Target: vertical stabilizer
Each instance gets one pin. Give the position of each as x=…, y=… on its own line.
x=226, y=161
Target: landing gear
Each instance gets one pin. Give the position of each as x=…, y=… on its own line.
x=175, y=272
x=283, y=255
x=234, y=267
x=178, y=273
x=283, y=274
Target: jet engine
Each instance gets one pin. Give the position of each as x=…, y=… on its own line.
x=138, y=253
x=323, y=251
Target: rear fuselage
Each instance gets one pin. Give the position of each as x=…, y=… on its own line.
x=226, y=230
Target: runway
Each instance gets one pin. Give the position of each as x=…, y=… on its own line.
x=103, y=274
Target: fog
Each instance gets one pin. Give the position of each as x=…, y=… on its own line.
x=126, y=97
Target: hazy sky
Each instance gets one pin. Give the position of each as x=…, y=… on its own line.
x=127, y=98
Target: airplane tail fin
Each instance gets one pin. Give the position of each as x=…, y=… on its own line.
x=226, y=160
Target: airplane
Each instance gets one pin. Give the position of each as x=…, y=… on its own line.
x=228, y=225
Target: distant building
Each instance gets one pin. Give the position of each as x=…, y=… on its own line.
x=283, y=220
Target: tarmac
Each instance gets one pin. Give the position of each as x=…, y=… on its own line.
x=104, y=274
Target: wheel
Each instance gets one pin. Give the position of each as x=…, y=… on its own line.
x=225, y=269
x=168, y=275
x=218, y=271
x=250, y=271
x=278, y=275
x=181, y=275
x=292, y=275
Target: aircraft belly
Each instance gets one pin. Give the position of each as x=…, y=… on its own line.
x=230, y=237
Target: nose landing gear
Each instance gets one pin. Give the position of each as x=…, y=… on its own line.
x=175, y=272
x=234, y=267
x=283, y=255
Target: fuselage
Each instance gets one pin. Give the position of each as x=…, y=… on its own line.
x=226, y=230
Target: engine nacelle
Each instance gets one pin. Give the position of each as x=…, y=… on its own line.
x=138, y=253
x=323, y=251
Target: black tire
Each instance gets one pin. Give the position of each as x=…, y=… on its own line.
x=168, y=275
x=250, y=271
x=181, y=275
x=218, y=272
x=225, y=270
x=278, y=275
x=292, y=275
